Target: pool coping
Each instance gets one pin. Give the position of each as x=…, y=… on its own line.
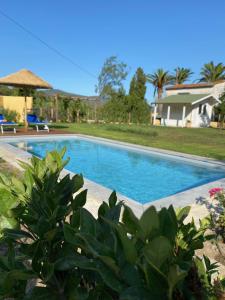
x=12, y=154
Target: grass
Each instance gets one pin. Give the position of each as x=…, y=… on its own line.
x=208, y=142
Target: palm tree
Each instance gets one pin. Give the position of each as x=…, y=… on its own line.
x=159, y=79
x=181, y=75
x=211, y=72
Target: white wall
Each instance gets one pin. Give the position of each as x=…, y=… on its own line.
x=215, y=90
x=200, y=120
x=206, y=90
x=191, y=114
x=176, y=113
x=218, y=89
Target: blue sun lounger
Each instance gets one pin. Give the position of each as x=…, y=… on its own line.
x=33, y=120
x=6, y=124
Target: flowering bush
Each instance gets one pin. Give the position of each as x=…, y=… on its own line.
x=215, y=192
x=219, y=195
x=217, y=212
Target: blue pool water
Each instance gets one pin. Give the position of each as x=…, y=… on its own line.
x=141, y=176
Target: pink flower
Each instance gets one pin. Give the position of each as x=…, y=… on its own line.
x=215, y=191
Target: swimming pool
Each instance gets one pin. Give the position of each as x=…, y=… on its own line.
x=140, y=175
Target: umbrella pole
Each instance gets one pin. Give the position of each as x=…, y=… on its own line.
x=25, y=113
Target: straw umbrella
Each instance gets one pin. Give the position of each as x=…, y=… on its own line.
x=26, y=80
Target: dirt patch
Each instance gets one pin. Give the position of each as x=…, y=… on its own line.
x=8, y=170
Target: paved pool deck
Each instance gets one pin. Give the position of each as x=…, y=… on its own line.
x=98, y=193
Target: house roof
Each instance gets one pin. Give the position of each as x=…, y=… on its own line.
x=190, y=86
x=182, y=98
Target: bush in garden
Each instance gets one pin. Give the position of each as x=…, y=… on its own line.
x=10, y=115
x=217, y=213
x=77, y=256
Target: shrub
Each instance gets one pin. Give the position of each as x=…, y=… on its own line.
x=217, y=213
x=115, y=255
x=10, y=115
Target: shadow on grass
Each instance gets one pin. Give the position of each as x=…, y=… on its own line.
x=59, y=126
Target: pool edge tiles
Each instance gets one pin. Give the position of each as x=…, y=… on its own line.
x=186, y=197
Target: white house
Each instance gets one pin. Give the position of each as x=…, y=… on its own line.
x=188, y=104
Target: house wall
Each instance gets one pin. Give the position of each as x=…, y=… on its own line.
x=218, y=89
x=192, y=114
x=201, y=120
x=176, y=113
x=16, y=103
x=206, y=90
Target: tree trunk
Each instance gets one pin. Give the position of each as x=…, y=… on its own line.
x=78, y=116
x=52, y=113
x=56, y=108
x=129, y=117
x=160, y=92
x=68, y=114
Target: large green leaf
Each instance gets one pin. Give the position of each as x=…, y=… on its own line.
x=78, y=182
x=112, y=199
x=128, y=245
x=6, y=222
x=158, y=251
x=17, y=234
x=137, y=293
x=41, y=293
x=175, y=276
x=182, y=213
x=130, y=220
x=168, y=223
x=149, y=222
x=79, y=200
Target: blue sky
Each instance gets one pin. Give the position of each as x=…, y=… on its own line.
x=145, y=33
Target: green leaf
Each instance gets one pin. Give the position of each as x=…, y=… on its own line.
x=182, y=213
x=78, y=182
x=175, y=276
x=88, y=223
x=130, y=220
x=158, y=251
x=137, y=293
x=103, y=209
x=149, y=221
x=20, y=275
x=112, y=199
x=47, y=270
x=70, y=235
x=7, y=223
x=75, y=260
x=41, y=293
x=17, y=234
x=128, y=245
x=79, y=200
x=168, y=223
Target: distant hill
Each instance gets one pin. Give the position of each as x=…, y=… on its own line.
x=54, y=92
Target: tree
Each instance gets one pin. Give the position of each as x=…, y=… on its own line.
x=159, y=80
x=110, y=79
x=181, y=75
x=135, y=102
x=220, y=110
x=211, y=72
x=138, y=84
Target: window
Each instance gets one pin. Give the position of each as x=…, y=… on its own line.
x=200, y=109
x=204, y=110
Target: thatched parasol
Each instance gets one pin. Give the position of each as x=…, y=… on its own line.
x=26, y=80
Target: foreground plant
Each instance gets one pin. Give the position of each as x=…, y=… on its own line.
x=74, y=255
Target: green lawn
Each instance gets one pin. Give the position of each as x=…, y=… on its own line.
x=207, y=142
